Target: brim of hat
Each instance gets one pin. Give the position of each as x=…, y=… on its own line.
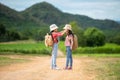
x=67, y=28
x=54, y=29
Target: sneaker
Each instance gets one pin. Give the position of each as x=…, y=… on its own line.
x=65, y=68
x=70, y=68
x=56, y=68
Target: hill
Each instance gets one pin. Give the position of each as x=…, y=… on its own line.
x=43, y=14
x=48, y=14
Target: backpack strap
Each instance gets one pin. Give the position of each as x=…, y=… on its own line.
x=52, y=37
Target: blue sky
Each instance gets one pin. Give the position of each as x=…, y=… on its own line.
x=97, y=9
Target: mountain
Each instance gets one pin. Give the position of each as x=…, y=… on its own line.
x=48, y=14
x=14, y=19
x=9, y=16
x=43, y=14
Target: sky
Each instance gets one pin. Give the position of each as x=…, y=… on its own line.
x=97, y=9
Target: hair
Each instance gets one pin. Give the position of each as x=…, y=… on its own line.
x=70, y=33
x=50, y=33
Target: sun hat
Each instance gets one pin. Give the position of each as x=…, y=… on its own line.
x=53, y=27
x=67, y=26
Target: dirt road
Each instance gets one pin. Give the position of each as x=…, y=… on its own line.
x=39, y=69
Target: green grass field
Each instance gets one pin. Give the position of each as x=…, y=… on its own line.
x=32, y=47
x=106, y=49
x=26, y=47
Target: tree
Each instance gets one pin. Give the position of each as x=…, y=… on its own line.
x=8, y=35
x=94, y=37
x=79, y=32
x=116, y=39
x=13, y=35
x=2, y=29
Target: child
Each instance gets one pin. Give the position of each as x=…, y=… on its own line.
x=55, y=34
x=68, y=44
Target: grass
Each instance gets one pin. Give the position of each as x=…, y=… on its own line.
x=106, y=69
x=108, y=48
x=98, y=55
x=7, y=61
x=25, y=47
x=32, y=47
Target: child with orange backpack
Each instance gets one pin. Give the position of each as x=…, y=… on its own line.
x=70, y=41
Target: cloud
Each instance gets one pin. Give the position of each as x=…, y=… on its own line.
x=100, y=10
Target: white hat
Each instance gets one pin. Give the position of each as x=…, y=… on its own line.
x=53, y=27
x=67, y=26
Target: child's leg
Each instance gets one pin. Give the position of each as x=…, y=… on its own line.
x=67, y=56
x=54, y=56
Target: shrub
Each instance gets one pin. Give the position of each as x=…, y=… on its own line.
x=116, y=39
x=94, y=37
x=77, y=30
x=108, y=48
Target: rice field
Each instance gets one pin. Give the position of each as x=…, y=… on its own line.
x=108, y=48
x=32, y=47
x=26, y=47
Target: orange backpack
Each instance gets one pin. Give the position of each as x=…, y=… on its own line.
x=75, y=42
x=48, y=40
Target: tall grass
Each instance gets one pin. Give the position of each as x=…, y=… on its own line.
x=25, y=47
x=107, y=48
x=31, y=47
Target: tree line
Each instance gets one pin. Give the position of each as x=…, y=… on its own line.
x=86, y=37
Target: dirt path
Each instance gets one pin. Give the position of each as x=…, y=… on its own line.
x=39, y=69
x=60, y=53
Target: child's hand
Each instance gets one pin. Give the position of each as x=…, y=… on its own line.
x=71, y=47
x=65, y=30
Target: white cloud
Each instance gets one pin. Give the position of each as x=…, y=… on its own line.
x=100, y=10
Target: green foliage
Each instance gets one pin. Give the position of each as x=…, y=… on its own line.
x=94, y=37
x=2, y=30
x=6, y=35
x=40, y=34
x=116, y=39
x=79, y=32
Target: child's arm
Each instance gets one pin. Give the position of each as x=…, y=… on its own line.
x=63, y=32
x=71, y=42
